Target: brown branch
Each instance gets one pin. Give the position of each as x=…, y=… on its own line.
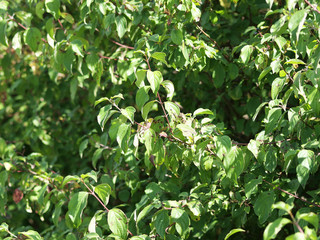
x=13, y=19
x=292, y=195
x=93, y=194
x=313, y=7
x=121, y=45
x=295, y=222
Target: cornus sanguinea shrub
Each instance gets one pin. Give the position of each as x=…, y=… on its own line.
x=169, y=119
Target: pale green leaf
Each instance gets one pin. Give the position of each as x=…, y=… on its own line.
x=172, y=109
x=76, y=206
x=168, y=85
x=181, y=218
x=142, y=96
x=202, y=111
x=147, y=108
x=31, y=234
x=128, y=112
x=117, y=222
x=103, y=190
x=232, y=232
x=154, y=78
x=245, y=54
x=161, y=56
x=274, y=228
x=121, y=23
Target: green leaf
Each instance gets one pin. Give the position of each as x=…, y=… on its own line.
x=253, y=146
x=76, y=46
x=274, y=228
x=104, y=115
x=161, y=56
x=53, y=7
x=276, y=87
x=123, y=136
x=147, y=108
x=68, y=17
x=233, y=231
x=142, y=96
x=262, y=206
x=3, y=33
x=168, y=85
x=295, y=61
x=121, y=23
x=31, y=234
x=149, y=140
x=296, y=236
x=181, y=218
x=68, y=179
x=305, y=160
x=314, y=100
x=154, y=78
x=218, y=75
x=297, y=19
x=252, y=186
x=76, y=206
x=161, y=222
x=311, y=218
x=234, y=163
x=282, y=206
x=128, y=112
x=245, y=54
x=272, y=119
x=103, y=190
x=264, y=73
x=117, y=222
x=186, y=130
x=202, y=111
x=176, y=36
x=101, y=100
x=92, y=62
x=96, y=156
x=3, y=180
x=57, y=212
x=32, y=37
x=270, y=160
x=83, y=146
x=172, y=109
x=223, y=145
x=140, y=74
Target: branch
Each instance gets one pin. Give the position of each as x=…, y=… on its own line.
x=292, y=195
x=121, y=45
x=93, y=194
x=313, y=7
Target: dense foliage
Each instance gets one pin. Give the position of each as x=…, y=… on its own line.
x=169, y=119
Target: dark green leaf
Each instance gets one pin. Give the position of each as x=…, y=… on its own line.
x=262, y=206
x=176, y=36
x=32, y=37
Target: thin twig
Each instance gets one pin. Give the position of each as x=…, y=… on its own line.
x=93, y=194
x=293, y=195
x=295, y=222
x=13, y=19
x=313, y=7
x=121, y=45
